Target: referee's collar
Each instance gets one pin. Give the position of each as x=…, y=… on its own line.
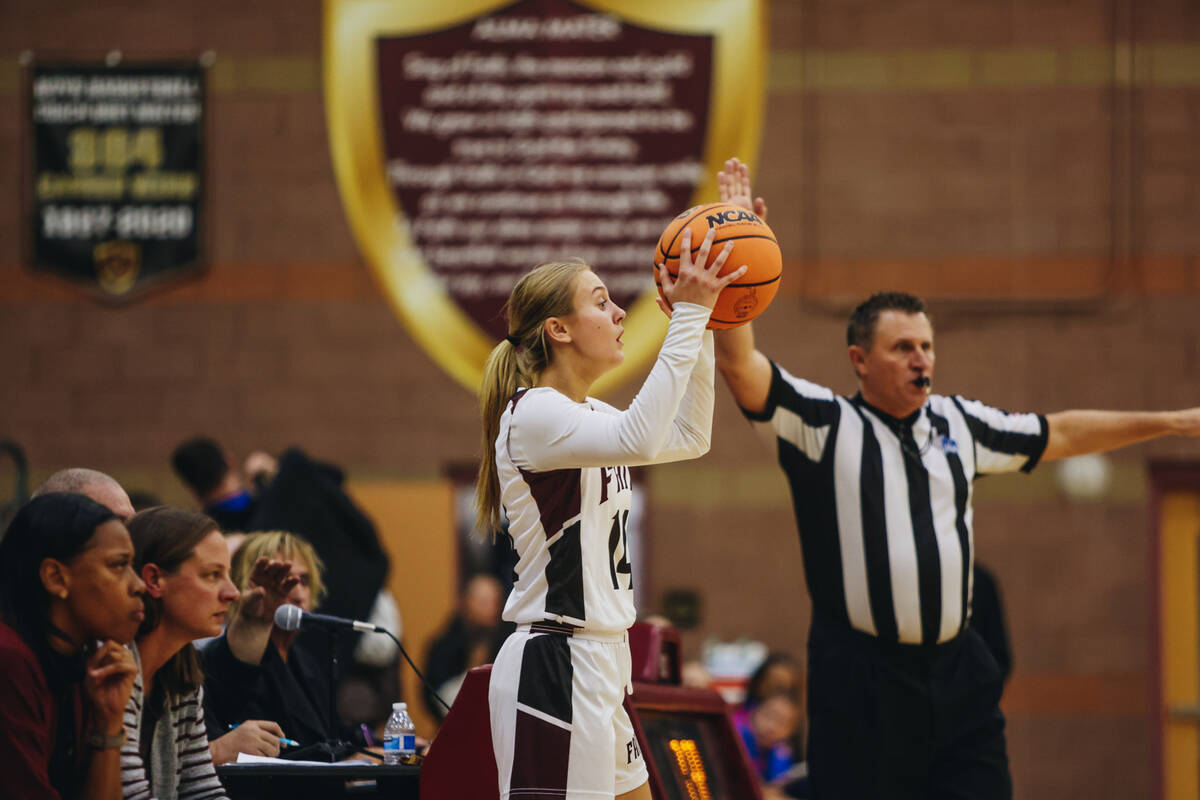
x=892, y=422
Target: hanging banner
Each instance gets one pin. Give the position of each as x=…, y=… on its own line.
x=476, y=139
x=118, y=179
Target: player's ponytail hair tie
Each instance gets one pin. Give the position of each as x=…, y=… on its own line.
x=514, y=340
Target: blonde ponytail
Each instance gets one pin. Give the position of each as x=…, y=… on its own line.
x=544, y=292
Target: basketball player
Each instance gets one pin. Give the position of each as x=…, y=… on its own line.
x=558, y=462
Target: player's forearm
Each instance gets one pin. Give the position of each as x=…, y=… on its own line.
x=1074, y=433
x=691, y=430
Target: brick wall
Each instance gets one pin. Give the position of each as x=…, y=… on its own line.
x=1015, y=161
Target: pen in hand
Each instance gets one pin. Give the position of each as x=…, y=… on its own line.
x=283, y=740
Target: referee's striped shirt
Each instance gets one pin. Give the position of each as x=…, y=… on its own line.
x=884, y=504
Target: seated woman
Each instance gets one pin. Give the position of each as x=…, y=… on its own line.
x=253, y=670
x=184, y=563
x=66, y=582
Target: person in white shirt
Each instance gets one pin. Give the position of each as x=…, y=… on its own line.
x=557, y=462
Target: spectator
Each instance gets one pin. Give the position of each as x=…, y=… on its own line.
x=253, y=669
x=471, y=638
x=778, y=672
x=66, y=581
x=89, y=482
x=767, y=728
x=205, y=468
x=184, y=563
x=307, y=498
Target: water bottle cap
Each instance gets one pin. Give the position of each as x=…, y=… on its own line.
x=399, y=706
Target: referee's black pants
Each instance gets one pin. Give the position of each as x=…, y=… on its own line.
x=904, y=721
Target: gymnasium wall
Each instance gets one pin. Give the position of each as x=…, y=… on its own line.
x=1031, y=166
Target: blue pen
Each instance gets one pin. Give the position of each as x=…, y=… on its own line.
x=283, y=740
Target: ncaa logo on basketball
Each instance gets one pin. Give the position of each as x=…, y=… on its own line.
x=473, y=140
x=726, y=217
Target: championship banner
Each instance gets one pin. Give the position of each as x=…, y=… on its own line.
x=117, y=173
x=475, y=139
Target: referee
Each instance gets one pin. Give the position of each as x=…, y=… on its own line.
x=903, y=696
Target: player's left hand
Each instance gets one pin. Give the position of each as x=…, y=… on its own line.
x=698, y=281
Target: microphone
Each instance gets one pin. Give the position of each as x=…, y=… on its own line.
x=290, y=617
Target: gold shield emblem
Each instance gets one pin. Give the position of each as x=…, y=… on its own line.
x=117, y=265
x=474, y=139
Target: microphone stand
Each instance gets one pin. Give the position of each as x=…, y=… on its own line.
x=334, y=749
x=333, y=673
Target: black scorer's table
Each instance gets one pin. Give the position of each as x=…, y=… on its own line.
x=319, y=781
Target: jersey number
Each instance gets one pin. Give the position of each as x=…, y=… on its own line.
x=619, y=536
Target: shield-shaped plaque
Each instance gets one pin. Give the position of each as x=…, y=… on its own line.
x=475, y=139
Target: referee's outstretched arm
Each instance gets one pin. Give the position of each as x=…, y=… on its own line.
x=1075, y=433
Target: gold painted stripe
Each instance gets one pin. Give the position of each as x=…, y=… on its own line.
x=794, y=70
x=949, y=278
x=957, y=69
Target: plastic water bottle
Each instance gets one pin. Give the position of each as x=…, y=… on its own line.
x=399, y=737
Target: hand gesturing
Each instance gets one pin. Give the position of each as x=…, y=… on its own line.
x=270, y=582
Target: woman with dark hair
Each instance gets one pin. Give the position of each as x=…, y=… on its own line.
x=68, y=598
x=184, y=563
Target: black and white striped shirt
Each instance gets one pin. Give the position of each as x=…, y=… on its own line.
x=884, y=505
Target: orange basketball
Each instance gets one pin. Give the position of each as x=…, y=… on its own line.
x=753, y=245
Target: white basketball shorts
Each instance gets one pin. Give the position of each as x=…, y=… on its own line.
x=558, y=727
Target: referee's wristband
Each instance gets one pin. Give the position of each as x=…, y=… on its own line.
x=106, y=741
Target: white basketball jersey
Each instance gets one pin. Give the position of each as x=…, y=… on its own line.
x=569, y=530
x=563, y=468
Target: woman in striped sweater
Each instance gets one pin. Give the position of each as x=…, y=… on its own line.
x=183, y=560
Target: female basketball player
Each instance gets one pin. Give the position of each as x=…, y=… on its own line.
x=558, y=461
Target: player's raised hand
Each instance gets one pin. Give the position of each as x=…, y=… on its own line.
x=733, y=186
x=698, y=282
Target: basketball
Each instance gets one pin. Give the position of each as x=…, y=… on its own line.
x=753, y=245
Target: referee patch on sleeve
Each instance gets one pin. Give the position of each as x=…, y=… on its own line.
x=546, y=675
